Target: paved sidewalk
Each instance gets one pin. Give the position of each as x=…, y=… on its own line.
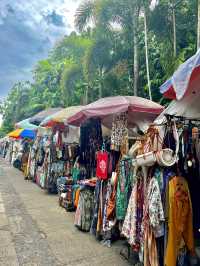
x=35, y=231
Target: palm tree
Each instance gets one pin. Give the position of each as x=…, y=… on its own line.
x=106, y=13
x=70, y=76
x=98, y=62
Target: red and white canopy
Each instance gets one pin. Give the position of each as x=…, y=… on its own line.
x=185, y=80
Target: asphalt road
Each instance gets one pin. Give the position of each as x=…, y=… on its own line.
x=35, y=231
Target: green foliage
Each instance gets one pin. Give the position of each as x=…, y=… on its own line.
x=98, y=62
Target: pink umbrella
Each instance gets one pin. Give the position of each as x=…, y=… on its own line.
x=140, y=111
x=185, y=80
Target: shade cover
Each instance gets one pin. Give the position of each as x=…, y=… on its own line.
x=22, y=133
x=188, y=107
x=25, y=124
x=185, y=80
x=15, y=133
x=141, y=111
x=28, y=133
x=38, y=118
x=60, y=117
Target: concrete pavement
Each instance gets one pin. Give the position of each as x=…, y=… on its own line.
x=35, y=231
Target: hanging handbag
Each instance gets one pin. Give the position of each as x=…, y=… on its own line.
x=167, y=157
x=147, y=159
x=148, y=156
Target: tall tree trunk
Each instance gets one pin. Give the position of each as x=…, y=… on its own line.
x=198, y=25
x=86, y=94
x=136, y=56
x=100, y=90
x=174, y=27
x=100, y=83
x=146, y=53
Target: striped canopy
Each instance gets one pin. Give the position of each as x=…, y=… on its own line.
x=22, y=133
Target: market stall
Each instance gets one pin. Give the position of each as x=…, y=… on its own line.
x=19, y=146
x=107, y=160
x=53, y=154
x=35, y=170
x=163, y=216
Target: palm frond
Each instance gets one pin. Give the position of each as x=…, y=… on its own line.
x=84, y=15
x=70, y=76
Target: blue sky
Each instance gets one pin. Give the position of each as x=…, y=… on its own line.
x=28, y=30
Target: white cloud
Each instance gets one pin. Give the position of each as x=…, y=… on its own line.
x=28, y=30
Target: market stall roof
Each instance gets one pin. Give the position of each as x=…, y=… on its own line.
x=141, y=111
x=60, y=117
x=188, y=107
x=38, y=118
x=22, y=133
x=185, y=80
x=28, y=133
x=15, y=133
x=25, y=124
x=44, y=131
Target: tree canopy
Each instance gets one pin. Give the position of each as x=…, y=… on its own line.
x=107, y=55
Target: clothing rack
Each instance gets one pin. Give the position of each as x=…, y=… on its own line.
x=181, y=118
x=136, y=138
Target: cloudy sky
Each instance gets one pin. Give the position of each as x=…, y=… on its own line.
x=28, y=30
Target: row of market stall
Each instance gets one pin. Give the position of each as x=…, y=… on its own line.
x=125, y=166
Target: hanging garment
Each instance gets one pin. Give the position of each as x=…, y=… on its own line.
x=129, y=229
x=155, y=208
x=153, y=225
x=123, y=188
x=76, y=197
x=96, y=207
x=113, y=160
x=111, y=204
x=84, y=211
x=132, y=226
x=109, y=229
x=55, y=171
x=76, y=174
x=180, y=226
x=119, y=131
x=150, y=248
x=193, y=178
x=106, y=225
x=90, y=142
x=102, y=165
x=100, y=212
